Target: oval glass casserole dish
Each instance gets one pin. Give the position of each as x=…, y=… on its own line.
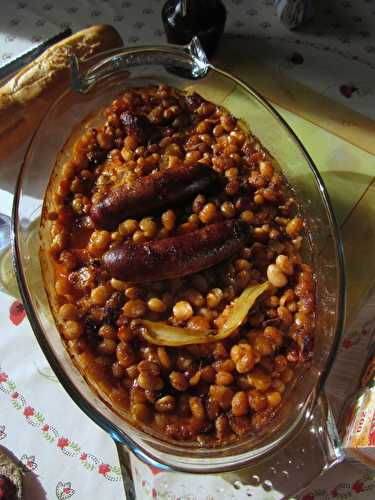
x=197, y=405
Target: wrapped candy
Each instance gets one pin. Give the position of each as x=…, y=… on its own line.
x=359, y=423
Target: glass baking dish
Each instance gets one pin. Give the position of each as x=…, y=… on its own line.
x=304, y=422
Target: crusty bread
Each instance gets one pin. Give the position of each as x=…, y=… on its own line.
x=26, y=97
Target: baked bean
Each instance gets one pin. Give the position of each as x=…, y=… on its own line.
x=99, y=241
x=218, y=131
x=164, y=358
x=149, y=227
x=72, y=330
x=69, y=260
x=276, y=277
x=99, y=295
x=198, y=203
x=148, y=366
x=285, y=315
x=243, y=357
x=257, y=400
x=224, y=365
x=208, y=374
x=139, y=236
x=259, y=379
x=247, y=216
x=128, y=227
x=194, y=298
x=107, y=332
x=124, y=354
x=274, y=335
x=240, y=404
x=222, y=426
x=214, y=297
x=228, y=210
x=263, y=345
x=62, y=286
x=165, y=404
x=156, y=305
x=107, y=346
x=147, y=380
x=117, y=284
x=198, y=323
x=168, y=219
x=284, y=264
x=178, y=381
x=266, y=168
x=222, y=395
x=182, y=310
x=141, y=412
x=134, y=308
x=68, y=311
x=208, y=213
x=195, y=378
x=273, y=398
x=196, y=407
x=224, y=378
x=242, y=264
x=294, y=226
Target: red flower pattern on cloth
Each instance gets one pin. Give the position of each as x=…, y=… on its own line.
x=64, y=490
x=3, y=377
x=62, y=442
x=155, y=470
x=358, y=487
x=348, y=90
x=104, y=469
x=347, y=344
x=3, y=434
x=29, y=462
x=17, y=312
x=296, y=58
x=28, y=411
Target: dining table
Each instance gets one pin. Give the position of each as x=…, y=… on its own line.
x=320, y=77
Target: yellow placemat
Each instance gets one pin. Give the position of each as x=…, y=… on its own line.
x=295, y=97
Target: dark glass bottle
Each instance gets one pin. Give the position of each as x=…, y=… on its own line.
x=184, y=19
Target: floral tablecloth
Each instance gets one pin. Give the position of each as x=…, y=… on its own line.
x=64, y=454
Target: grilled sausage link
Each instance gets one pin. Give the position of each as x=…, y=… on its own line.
x=177, y=256
x=153, y=192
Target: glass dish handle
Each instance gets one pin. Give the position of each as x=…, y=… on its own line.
x=191, y=60
x=315, y=448
x=287, y=472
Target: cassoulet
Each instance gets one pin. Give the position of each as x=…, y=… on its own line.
x=178, y=278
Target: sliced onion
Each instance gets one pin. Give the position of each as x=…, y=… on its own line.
x=159, y=333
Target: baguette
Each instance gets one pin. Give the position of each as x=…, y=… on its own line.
x=25, y=99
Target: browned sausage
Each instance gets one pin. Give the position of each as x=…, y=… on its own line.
x=153, y=192
x=177, y=256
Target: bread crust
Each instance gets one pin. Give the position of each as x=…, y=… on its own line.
x=27, y=96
